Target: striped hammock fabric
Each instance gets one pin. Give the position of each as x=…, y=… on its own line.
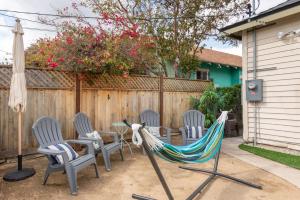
x=201, y=151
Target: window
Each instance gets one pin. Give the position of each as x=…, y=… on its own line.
x=202, y=75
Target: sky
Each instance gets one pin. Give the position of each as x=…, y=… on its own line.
x=50, y=6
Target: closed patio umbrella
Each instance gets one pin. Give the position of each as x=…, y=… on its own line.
x=17, y=99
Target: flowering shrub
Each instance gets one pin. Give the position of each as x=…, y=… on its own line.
x=112, y=45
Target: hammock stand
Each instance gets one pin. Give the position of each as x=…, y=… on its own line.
x=213, y=174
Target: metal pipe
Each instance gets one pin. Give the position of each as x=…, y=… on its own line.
x=140, y=197
x=254, y=74
x=155, y=166
x=201, y=187
x=222, y=175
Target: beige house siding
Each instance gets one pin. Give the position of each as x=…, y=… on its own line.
x=278, y=64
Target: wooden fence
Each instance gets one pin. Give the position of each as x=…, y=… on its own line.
x=105, y=99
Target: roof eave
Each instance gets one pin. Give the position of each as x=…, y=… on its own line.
x=235, y=30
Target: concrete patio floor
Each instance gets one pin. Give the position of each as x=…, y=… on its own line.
x=135, y=175
x=231, y=147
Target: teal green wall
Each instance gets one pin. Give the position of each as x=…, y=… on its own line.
x=222, y=75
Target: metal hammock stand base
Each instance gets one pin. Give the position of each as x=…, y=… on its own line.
x=214, y=173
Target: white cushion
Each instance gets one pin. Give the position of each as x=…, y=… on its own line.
x=154, y=130
x=72, y=155
x=193, y=132
x=95, y=135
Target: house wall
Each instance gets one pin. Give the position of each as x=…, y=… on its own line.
x=278, y=64
x=222, y=75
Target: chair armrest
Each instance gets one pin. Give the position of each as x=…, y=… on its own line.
x=87, y=143
x=183, y=134
x=182, y=130
x=87, y=138
x=51, y=152
x=167, y=132
x=112, y=134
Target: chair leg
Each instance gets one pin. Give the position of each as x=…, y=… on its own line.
x=96, y=170
x=144, y=151
x=121, y=153
x=106, y=161
x=72, y=181
x=46, y=176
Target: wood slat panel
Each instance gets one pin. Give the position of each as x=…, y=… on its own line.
x=277, y=116
x=291, y=111
x=269, y=33
x=273, y=139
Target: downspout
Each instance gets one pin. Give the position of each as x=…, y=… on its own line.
x=254, y=74
x=254, y=77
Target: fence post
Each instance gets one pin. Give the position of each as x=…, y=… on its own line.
x=161, y=101
x=77, y=102
x=77, y=93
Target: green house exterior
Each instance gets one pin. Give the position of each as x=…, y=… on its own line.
x=223, y=69
x=221, y=75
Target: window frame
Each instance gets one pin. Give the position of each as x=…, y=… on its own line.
x=202, y=70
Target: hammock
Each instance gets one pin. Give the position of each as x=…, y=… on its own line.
x=201, y=151
x=204, y=149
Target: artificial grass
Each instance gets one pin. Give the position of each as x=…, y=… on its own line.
x=283, y=158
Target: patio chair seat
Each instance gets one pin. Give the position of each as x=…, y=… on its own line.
x=83, y=126
x=83, y=161
x=111, y=146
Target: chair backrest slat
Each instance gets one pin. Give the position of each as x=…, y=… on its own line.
x=47, y=131
x=82, y=124
x=150, y=117
x=193, y=118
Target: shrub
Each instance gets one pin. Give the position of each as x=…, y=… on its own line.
x=215, y=99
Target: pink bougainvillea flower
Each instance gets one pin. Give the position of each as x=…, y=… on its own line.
x=69, y=40
x=133, y=52
x=88, y=30
x=79, y=61
x=49, y=60
x=53, y=64
x=61, y=59
x=105, y=15
x=119, y=19
x=135, y=27
x=133, y=34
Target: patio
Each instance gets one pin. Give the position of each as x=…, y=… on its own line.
x=135, y=175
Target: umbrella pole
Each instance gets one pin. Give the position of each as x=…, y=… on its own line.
x=21, y=173
x=19, y=141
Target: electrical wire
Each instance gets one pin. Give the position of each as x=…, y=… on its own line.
x=95, y=17
x=30, y=28
x=30, y=20
x=8, y=53
x=48, y=14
